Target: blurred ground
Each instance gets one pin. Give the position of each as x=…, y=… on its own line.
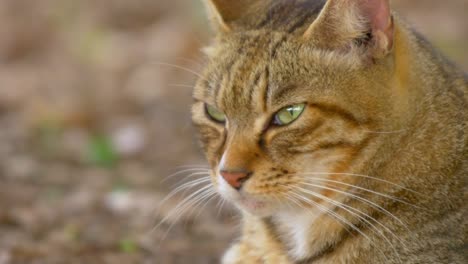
x=92, y=119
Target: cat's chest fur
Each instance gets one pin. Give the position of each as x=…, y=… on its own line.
x=294, y=229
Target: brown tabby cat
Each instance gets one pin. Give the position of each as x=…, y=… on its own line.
x=337, y=130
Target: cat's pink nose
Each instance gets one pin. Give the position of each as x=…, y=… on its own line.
x=235, y=179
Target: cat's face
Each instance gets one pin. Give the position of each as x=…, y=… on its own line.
x=281, y=121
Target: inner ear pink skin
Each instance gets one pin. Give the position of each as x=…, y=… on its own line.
x=380, y=17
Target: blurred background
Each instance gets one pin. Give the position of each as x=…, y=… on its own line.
x=93, y=117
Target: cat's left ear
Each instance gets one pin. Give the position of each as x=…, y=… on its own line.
x=344, y=23
x=225, y=13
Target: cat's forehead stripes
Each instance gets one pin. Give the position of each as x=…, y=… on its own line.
x=231, y=63
x=243, y=76
x=247, y=74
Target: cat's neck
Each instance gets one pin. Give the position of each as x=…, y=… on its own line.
x=293, y=229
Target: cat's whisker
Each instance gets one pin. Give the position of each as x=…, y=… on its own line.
x=210, y=197
x=293, y=198
x=201, y=177
x=220, y=206
x=329, y=212
x=203, y=166
x=193, y=61
x=193, y=183
x=197, y=175
x=358, y=211
x=345, y=223
x=385, y=132
x=361, y=218
x=360, y=215
x=191, y=205
x=187, y=202
x=288, y=200
x=178, y=67
x=354, y=227
x=357, y=197
x=347, y=208
x=366, y=177
x=362, y=189
x=201, y=200
x=185, y=186
x=180, y=85
x=296, y=201
x=186, y=208
x=277, y=198
x=183, y=171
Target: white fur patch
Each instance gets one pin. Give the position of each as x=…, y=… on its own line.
x=231, y=256
x=296, y=227
x=226, y=190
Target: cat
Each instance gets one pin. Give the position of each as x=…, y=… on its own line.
x=338, y=132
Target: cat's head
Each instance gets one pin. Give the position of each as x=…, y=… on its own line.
x=290, y=95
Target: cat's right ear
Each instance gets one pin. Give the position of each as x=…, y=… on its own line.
x=345, y=23
x=225, y=13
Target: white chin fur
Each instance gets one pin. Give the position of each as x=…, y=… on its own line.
x=295, y=227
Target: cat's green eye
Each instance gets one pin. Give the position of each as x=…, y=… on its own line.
x=288, y=114
x=215, y=114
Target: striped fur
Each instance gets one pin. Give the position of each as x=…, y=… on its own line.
x=385, y=121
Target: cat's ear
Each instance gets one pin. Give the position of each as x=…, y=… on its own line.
x=224, y=13
x=344, y=23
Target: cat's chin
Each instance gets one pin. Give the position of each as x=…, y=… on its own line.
x=248, y=203
x=255, y=207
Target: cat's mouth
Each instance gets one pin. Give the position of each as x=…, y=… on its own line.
x=254, y=205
